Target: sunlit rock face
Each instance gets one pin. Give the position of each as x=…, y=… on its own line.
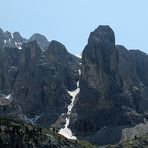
x=43, y=79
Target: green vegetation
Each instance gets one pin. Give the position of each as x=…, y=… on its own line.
x=16, y=133
x=82, y=143
x=85, y=144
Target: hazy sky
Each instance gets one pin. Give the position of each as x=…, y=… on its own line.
x=71, y=21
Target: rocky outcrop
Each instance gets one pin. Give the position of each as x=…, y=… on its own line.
x=9, y=108
x=99, y=82
x=41, y=40
x=8, y=39
x=38, y=79
x=66, y=64
x=112, y=92
x=136, y=142
x=18, y=134
x=15, y=40
x=8, y=69
x=133, y=70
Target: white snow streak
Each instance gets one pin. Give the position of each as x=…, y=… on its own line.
x=79, y=56
x=18, y=45
x=12, y=35
x=9, y=97
x=66, y=131
x=79, y=72
x=5, y=41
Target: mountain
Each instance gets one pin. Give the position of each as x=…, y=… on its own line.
x=15, y=133
x=15, y=40
x=101, y=98
x=113, y=89
x=41, y=40
x=41, y=84
x=8, y=39
x=38, y=80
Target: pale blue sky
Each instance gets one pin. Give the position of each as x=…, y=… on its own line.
x=71, y=21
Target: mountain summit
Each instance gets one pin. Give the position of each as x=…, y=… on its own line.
x=112, y=90
x=41, y=40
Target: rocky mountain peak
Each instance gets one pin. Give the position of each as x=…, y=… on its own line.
x=8, y=39
x=43, y=76
x=101, y=49
x=113, y=88
x=31, y=44
x=41, y=40
x=1, y=32
x=56, y=48
x=30, y=54
x=18, y=37
x=12, y=40
x=8, y=34
x=103, y=33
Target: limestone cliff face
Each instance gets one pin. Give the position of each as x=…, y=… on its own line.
x=41, y=83
x=100, y=82
x=65, y=63
x=113, y=84
x=10, y=40
x=100, y=76
x=8, y=69
x=38, y=79
x=111, y=90
x=133, y=70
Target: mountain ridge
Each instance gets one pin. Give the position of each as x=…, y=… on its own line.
x=112, y=92
x=113, y=86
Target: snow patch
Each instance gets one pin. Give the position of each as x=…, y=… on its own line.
x=5, y=41
x=66, y=130
x=79, y=72
x=12, y=35
x=9, y=97
x=79, y=56
x=18, y=45
x=5, y=99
